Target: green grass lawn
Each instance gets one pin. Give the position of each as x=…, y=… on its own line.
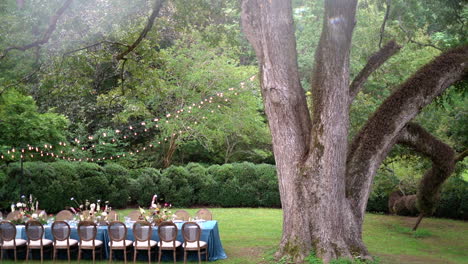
x=251, y=235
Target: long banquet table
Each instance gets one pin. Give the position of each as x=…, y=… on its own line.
x=210, y=234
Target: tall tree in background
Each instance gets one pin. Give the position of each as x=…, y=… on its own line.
x=324, y=180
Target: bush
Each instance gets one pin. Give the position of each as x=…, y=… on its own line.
x=144, y=183
x=176, y=187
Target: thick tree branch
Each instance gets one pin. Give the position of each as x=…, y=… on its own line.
x=374, y=62
x=461, y=156
x=443, y=160
x=156, y=8
x=382, y=28
x=381, y=132
x=47, y=34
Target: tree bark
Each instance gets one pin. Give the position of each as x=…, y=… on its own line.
x=170, y=151
x=382, y=130
x=324, y=186
x=268, y=26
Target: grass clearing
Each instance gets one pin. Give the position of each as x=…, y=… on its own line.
x=250, y=235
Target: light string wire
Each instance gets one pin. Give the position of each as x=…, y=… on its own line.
x=154, y=123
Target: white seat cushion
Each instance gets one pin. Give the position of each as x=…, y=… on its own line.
x=191, y=245
x=63, y=243
x=10, y=244
x=169, y=244
x=37, y=243
x=89, y=244
x=120, y=244
x=144, y=244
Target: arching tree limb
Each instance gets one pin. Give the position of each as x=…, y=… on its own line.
x=374, y=62
x=47, y=34
x=381, y=132
x=156, y=8
x=443, y=164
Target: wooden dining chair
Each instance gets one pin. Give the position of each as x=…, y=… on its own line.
x=142, y=232
x=204, y=214
x=61, y=233
x=8, y=238
x=191, y=232
x=134, y=215
x=113, y=216
x=87, y=231
x=64, y=215
x=167, y=232
x=15, y=215
x=118, y=239
x=182, y=215
x=35, y=234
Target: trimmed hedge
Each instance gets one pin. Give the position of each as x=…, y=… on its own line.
x=229, y=185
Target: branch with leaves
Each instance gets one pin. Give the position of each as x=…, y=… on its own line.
x=45, y=37
x=156, y=10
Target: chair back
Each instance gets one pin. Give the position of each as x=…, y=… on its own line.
x=61, y=230
x=167, y=232
x=15, y=215
x=34, y=230
x=7, y=231
x=87, y=230
x=64, y=215
x=134, y=215
x=182, y=215
x=191, y=232
x=113, y=216
x=204, y=214
x=142, y=231
x=117, y=231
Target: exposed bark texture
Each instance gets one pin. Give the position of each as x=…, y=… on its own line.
x=268, y=26
x=381, y=132
x=47, y=34
x=374, y=62
x=170, y=151
x=156, y=8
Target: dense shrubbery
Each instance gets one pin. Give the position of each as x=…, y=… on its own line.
x=229, y=185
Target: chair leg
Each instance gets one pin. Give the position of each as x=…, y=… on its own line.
x=206, y=254
x=125, y=254
x=68, y=254
x=110, y=255
x=134, y=254
x=14, y=253
x=149, y=255
x=159, y=256
x=185, y=256
x=199, y=257
x=54, y=252
x=42, y=255
x=27, y=253
x=79, y=254
x=174, y=256
x=94, y=255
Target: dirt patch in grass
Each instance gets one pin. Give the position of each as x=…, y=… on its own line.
x=387, y=259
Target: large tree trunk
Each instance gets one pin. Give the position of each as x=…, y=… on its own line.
x=323, y=186
x=310, y=158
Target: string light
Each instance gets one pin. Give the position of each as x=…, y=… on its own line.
x=199, y=106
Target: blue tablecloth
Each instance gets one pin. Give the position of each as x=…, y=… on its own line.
x=210, y=234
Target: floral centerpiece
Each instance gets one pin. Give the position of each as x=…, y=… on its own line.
x=157, y=213
x=28, y=209
x=88, y=211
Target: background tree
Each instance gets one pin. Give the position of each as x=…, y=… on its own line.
x=325, y=184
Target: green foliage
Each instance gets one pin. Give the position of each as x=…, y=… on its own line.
x=22, y=125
